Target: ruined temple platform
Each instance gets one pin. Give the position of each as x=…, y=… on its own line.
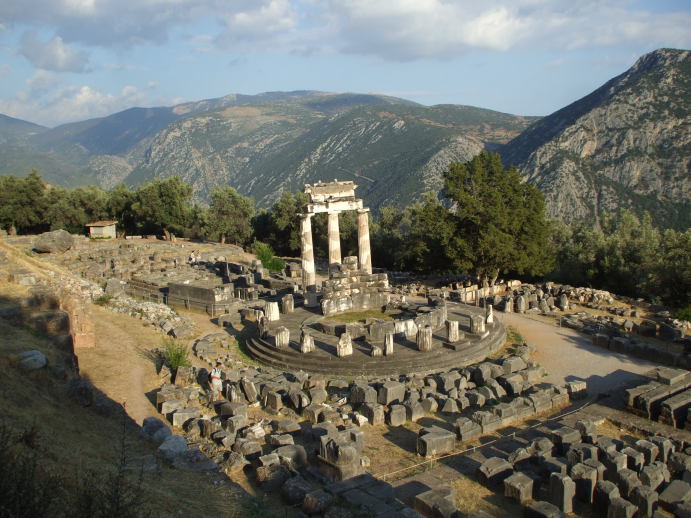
x=406, y=358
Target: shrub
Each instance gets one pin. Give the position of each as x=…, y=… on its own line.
x=684, y=314
x=103, y=300
x=176, y=354
x=266, y=255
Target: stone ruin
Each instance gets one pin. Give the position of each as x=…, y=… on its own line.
x=351, y=285
x=309, y=441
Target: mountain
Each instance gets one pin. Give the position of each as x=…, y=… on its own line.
x=11, y=128
x=394, y=149
x=267, y=143
x=624, y=145
x=104, y=150
x=627, y=144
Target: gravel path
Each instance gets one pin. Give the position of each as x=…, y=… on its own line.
x=568, y=355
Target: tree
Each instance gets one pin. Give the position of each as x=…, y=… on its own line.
x=280, y=226
x=428, y=232
x=22, y=202
x=499, y=221
x=230, y=215
x=163, y=205
x=119, y=207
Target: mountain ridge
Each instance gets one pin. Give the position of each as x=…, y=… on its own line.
x=624, y=145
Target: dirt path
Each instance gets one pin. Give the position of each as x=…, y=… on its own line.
x=568, y=354
x=119, y=365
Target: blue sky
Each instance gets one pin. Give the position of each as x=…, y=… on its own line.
x=67, y=60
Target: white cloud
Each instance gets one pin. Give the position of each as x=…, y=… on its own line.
x=71, y=103
x=385, y=29
x=42, y=81
x=52, y=55
x=412, y=29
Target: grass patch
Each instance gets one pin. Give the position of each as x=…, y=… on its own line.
x=513, y=337
x=241, y=341
x=176, y=354
x=103, y=300
x=360, y=316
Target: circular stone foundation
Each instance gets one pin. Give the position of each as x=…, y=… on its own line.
x=406, y=357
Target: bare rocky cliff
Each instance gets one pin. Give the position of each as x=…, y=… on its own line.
x=627, y=144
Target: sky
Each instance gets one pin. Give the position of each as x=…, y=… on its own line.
x=70, y=60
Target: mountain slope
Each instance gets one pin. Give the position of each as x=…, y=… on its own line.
x=627, y=144
x=11, y=128
x=394, y=150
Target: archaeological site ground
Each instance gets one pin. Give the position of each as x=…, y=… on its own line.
x=345, y=390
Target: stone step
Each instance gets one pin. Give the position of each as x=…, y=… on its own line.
x=439, y=360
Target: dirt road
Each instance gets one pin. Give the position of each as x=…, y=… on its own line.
x=119, y=365
x=568, y=355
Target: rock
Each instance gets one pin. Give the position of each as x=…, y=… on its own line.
x=32, y=360
x=193, y=460
x=172, y=447
x=295, y=489
x=317, y=501
x=53, y=242
x=150, y=426
x=80, y=391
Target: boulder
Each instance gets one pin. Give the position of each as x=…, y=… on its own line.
x=55, y=241
x=32, y=360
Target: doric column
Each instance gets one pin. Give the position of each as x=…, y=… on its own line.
x=308, y=272
x=364, y=250
x=334, y=239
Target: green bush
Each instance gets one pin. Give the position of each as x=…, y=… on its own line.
x=684, y=314
x=176, y=354
x=266, y=255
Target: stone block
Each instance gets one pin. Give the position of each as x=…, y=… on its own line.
x=391, y=392
x=396, y=415
x=414, y=411
x=494, y=471
x=312, y=412
x=435, y=442
x=585, y=478
x=374, y=413
x=649, y=450
x=627, y=480
x=645, y=499
x=431, y=502
x=665, y=446
x=621, y=508
x=540, y=509
x=562, y=491
x=519, y=487
x=294, y=490
x=675, y=493
x=605, y=492
x=565, y=436
x=360, y=394
x=317, y=502
x=467, y=429
x=182, y=415
x=614, y=462
x=635, y=459
x=653, y=475
x=429, y=405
